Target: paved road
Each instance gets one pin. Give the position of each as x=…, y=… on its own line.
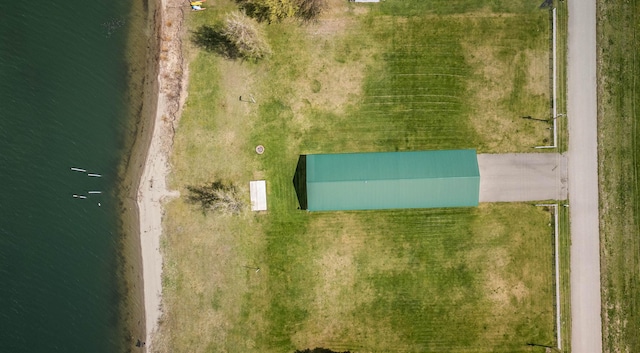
x=522, y=177
x=583, y=179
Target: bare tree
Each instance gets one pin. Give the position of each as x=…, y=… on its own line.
x=244, y=33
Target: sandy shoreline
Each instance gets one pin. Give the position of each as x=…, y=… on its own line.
x=152, y=190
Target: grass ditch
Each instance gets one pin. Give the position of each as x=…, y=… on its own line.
x=363, y=78
x=618, y=146
x=561, y=53
x=564, y=238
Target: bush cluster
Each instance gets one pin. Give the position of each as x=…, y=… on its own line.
x=216, y=196
x=275, y=10
x=318, y=350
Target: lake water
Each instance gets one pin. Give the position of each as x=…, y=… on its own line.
x=63, y=104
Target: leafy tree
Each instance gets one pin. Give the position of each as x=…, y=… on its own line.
x=270, y=10
x=216, y=196
x=279, y=9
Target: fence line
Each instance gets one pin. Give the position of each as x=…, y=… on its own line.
x=557, y=271
x=555, y=78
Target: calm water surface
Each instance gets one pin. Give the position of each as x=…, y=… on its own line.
x=63, y=81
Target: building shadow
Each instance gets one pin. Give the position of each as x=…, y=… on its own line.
x=300, y=181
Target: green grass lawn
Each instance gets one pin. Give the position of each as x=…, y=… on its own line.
x=399, y=76
x=405, y=281
x=618, y=144
x=396, y=83
x=402, y=281
x=428, y=89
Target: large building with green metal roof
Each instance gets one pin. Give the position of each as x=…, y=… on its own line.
x=387, y=180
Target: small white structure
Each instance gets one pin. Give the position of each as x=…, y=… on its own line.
x=258, y=191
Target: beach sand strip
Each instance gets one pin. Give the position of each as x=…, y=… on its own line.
x=153, y=191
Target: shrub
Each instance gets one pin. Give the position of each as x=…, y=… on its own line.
x=309, y=10
x=275, y=10
x=318, y=350
x=216, y=196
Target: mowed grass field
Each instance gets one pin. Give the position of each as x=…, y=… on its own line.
x=618, y=143
x=393, y=76
x=430, y=81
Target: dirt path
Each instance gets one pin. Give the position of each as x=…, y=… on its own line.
x=583, y=179
x=522, y=177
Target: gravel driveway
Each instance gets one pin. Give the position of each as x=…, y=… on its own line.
x=522, y=177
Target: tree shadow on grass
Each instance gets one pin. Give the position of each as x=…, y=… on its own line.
x=252, y=9
x=211, y=39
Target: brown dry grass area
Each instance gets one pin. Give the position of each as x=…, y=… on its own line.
x=507, y=278
x=337, y=275
x=220, y=257
x=538, y=72
x=331, y=79
x=340, y=291
x=493, y=119
x=502, y=291
x=216, y=275
x=219, y=135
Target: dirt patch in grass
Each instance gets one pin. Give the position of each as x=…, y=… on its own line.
x=330, y=86
x=335, y=19
x=338, y=291
x=502, y=291
x=538, y=72
x=334, y=68
x=498, y=290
